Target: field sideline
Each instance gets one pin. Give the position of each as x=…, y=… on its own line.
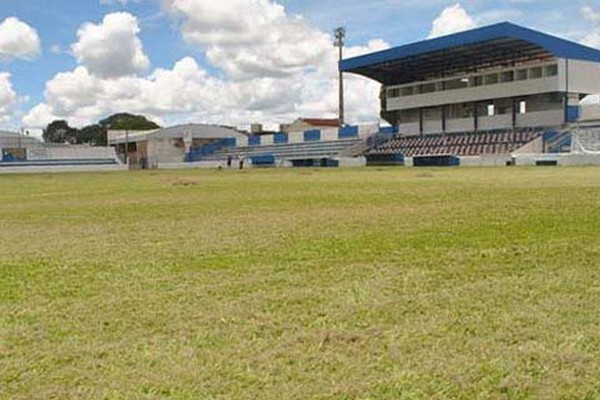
x=301, y=284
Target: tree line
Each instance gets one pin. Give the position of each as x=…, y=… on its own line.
x=59, y=131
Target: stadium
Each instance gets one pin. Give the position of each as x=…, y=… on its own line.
x=498, y=95
x=331, y=269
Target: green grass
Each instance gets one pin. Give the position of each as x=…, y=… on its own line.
x=301, y=284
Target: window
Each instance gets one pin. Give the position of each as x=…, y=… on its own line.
x=551, y=70
x=477, y=81
x=393, y=93
x=508, y=76
x=491, y=79
x=427, y=88
x=457, y=84
x=407, y=91
x=535, y=73
x=522, y=75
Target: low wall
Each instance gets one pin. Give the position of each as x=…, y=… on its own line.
x=485, y=161
x=352, y=162
x=61, y=168
x=70, y=152
x=562, y=159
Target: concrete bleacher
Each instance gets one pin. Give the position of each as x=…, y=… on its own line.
x=288, y=151
x=58, y=162
x=456, y=144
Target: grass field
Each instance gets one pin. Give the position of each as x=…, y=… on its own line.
x=301, y=284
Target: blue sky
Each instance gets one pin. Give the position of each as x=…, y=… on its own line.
x=170, y=31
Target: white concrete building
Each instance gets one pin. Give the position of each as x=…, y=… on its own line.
x=174, y=144
x=499, y=77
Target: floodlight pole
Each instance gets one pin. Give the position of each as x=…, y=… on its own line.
x=340, y=35
x=127, y=147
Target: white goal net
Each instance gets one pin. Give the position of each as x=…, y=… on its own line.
x=586, y=141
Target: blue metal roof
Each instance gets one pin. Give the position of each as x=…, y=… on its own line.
x=557, y=47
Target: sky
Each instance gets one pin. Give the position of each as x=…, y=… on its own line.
x=230, y=62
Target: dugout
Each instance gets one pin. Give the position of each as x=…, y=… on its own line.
x=436, y=161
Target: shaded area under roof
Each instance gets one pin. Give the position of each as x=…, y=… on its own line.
x=498, y=44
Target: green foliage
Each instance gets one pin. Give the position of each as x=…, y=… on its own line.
x=125, y=121
x=301, y=284
x=93, y=134
x=60, y=132
x=96, y=135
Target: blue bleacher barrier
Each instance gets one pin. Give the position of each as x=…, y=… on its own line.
x=557, y=142
x=263, y=160
x=390, y=130
x=312, y=136
x=347, y=132
x=254, y=141
x=280, y=138
x=572, y=113
x=207, y=150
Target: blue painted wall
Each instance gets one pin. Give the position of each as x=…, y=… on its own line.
x=348, y=132
x=254, y=141
x=312, y=136
x=572, y=113
x=281, y=138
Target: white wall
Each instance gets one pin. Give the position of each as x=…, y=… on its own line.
x=590, y=112
x=460, y=125
x=584, y=77
x=266, y=140
x=534, y=147
x=541, y=118
x=485, y=161
x=480, y=93
x=162, y=150
x=329, y=134
x=411, y=128
x=352, y=162
x=495, y=122
x=70, y=152
x=432, y=127
x=242, y=141
x=296, y=137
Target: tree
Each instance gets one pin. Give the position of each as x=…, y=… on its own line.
x=94, y=135
x=60, y=132
x=125, y=121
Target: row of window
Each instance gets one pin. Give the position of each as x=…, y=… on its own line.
x=475, y=81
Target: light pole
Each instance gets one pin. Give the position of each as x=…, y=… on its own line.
x=126, y=146
x=340, y=36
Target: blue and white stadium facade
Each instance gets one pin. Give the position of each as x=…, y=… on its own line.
x=490, y=96
x=493, y=91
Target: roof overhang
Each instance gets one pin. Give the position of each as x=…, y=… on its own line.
x=503, y=43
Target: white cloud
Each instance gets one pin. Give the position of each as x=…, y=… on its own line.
x=593, y=17
x=251, y=38
x=276, y=68
x=8, y=99
x=112, y=48
x=452, y=19
x=18, y=40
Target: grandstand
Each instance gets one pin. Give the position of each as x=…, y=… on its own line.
x=480, y=97
x=24, y=153
x=488, y=92
x=309, y=148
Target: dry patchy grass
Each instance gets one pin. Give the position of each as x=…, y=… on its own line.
x=324, y=284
